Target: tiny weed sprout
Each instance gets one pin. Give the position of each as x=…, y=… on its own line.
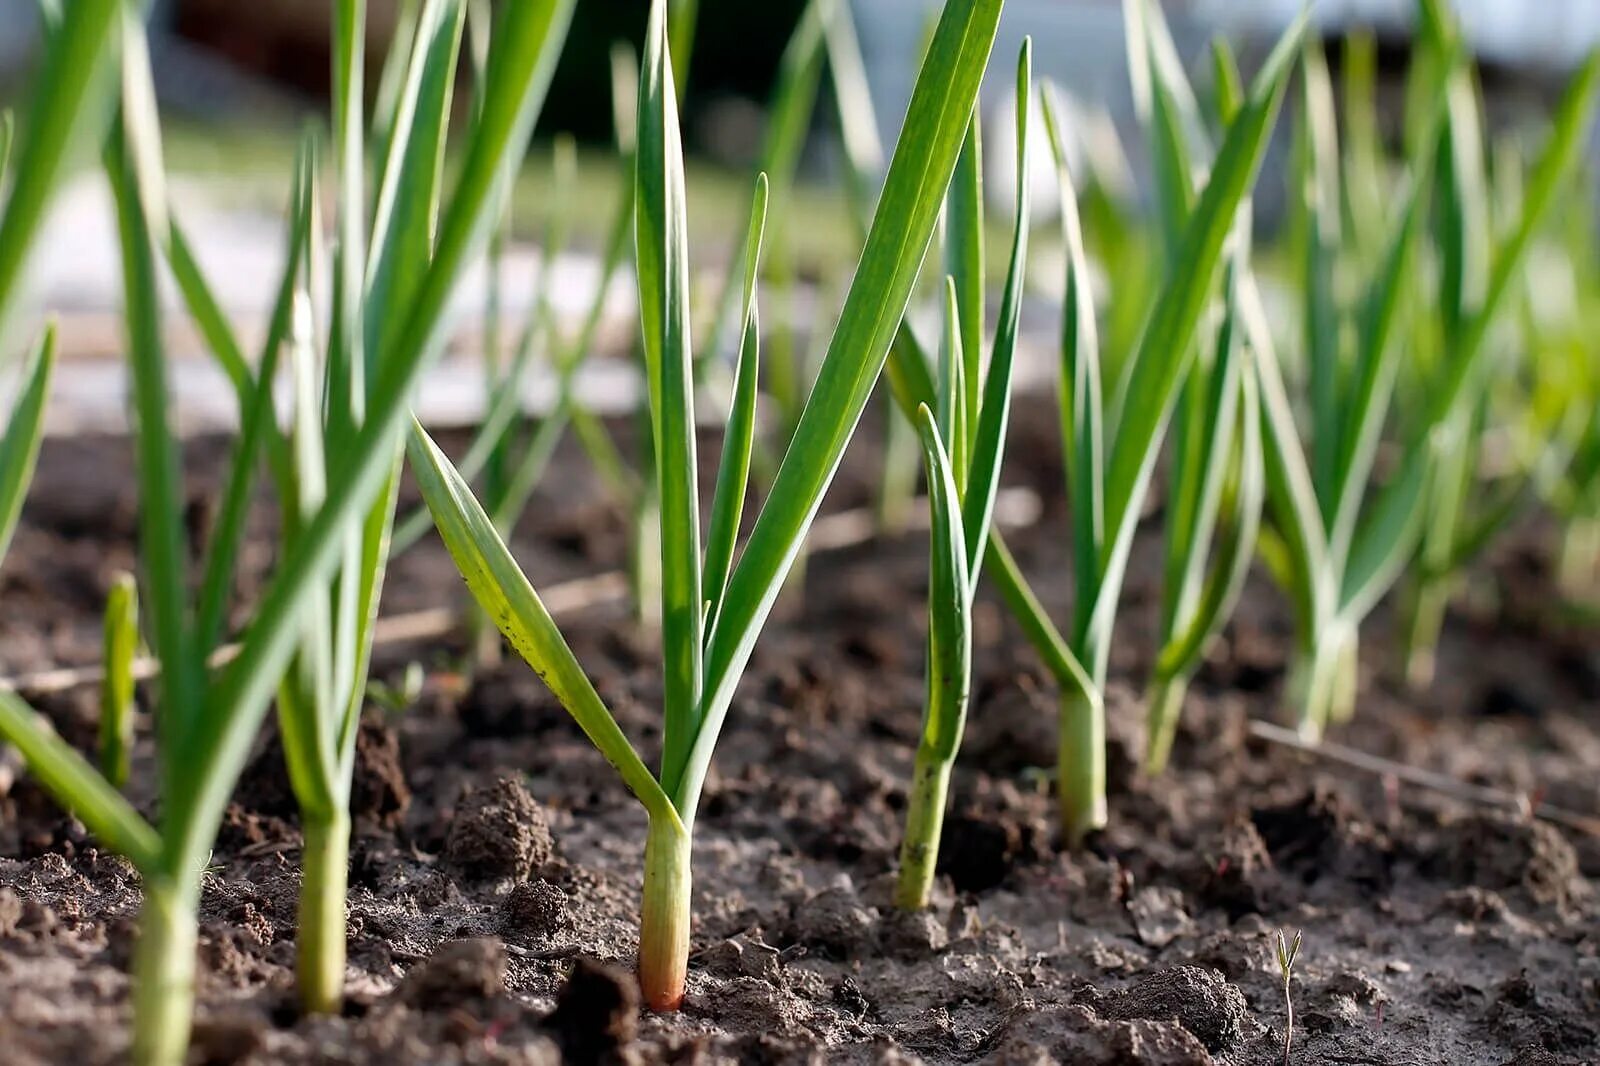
x=1337, y=541
x=205, y=722
x=1287, y=951
x=962, y=446
x=121, y=646
x=712, y=609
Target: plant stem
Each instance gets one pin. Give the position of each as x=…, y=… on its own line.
x=1346, y=678
x=1307, y=690
x=644, y=564
x=487, y=647
x=1322, y=681
x=320, y=934
x=1081, y=764
x=1423, y=626
x=664, y=923
x=919, y=852
x=1578, y=569
x=163, y=974
x=897, y=485
x=1164, y=707
x=1288, y=1024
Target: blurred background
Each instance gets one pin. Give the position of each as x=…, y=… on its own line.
x=267, y=64
x=238, y=81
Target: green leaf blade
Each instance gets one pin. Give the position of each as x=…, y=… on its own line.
x=949, y=668
x=521, y=63
x=733, y=469
x=79, y=787
x=925, y=158
x=661, y=241
x=70, y=101
x=994, y=410
x=19, y=447
x=1158, y=366
x=503, y=591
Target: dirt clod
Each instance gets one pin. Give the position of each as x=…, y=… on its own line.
x=742, y=956
x=535, y=909
x=225, y=1039
x=1158, y=915
x=1074, y=1034
x=833, y=923
x=1201, y=1000
x=10, y=912
x=461, y=972
x=977, y=851
x=379, y=791
x=1239, y=870
x=1500, y=853
x=912, y=934
x=500, y=831
x=1321, y=834
x=596, y=1014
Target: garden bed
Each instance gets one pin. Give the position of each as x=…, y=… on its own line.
x=496, y=860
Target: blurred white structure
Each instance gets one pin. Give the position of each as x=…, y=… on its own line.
x=1537, y=34
x=1080, y=46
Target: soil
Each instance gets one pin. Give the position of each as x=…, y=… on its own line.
x=496, y=861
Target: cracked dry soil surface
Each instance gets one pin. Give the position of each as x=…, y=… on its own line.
x=496, y=861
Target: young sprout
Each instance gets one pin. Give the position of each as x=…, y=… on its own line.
x=121, y=645
x=962, y=447
x=1576, y=493
x=1288, y=951
x=1578, y=562
x=206, y=723
x=626, y=476
x=1109, y=472
x=1466, y=508
x=1111, y=446
x=1334, y=550
x=712, y=609
x=1215, y=480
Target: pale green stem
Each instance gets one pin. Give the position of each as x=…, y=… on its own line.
x=1164, y=708
x=1346, y=678
x=1082, y=764
x=1322, y=682
x=897, y=486
x=1424, y=624
x=645, y=564
x=1578, y=569
x=116, y=733
x=320, y=932
x=664, y=922
x=163, y=975
x=487, y=648
x=919, y=852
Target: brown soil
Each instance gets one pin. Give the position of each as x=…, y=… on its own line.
x=496, y=865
